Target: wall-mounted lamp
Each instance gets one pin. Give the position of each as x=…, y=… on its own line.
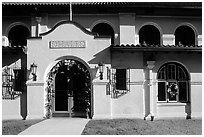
x=33, y=68
x=101, y=69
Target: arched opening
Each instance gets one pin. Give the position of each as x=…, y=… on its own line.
x=184, y=35
x=104, y=29
x=71, y=83
x=18, y=35
x=150, y=35
x=173, y=83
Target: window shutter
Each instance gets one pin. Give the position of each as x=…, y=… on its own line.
x=121, y=79
x=18, y=80
x=183, y=91
x=161, y=91
x=113, y=81
x=108, y=86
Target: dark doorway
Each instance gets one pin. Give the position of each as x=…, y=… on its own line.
x=73, y=90
x=61, y=96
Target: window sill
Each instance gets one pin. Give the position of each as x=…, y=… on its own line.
x=171, y=104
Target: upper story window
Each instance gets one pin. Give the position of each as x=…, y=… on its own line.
x=184, y=35
x=18, y=35
x=150, y=35
x=104, y=29
x=173, y=83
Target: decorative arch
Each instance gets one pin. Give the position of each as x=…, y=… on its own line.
x=78, y=59
x=102, y=21
x=150, y=23
x=154, y=25
x=189, y=25
x=67, y=63
x=186, y=24
x=15, y=24
x=173, y=82
x=18, y=33
x=98, y=26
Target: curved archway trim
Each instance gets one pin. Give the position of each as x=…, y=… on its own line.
x=189, y=25
x=188, y=72
x=102, y=21
x=151, y=24
x=51, y=72
x=16, y=24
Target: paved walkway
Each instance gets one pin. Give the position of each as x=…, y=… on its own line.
x=57, y=126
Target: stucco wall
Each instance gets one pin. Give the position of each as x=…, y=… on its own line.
x=193, y=63
x=102, y=101
x=95, y=51
x=87, y=21
x=14, y=108
x=131, y=104
x=35, y=99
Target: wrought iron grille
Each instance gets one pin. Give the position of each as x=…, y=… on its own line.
x=8, y=84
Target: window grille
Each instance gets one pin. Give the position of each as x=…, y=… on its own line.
x=12, y=83
x=120, y=82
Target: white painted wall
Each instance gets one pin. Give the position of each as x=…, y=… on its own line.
x=11, y=108
x=96, y=51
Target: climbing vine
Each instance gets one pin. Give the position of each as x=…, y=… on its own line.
x=83, y=96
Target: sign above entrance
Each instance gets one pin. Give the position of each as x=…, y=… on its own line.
x=67, y=44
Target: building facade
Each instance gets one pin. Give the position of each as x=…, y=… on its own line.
x=102, y=59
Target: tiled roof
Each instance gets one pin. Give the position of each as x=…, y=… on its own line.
x=19, y=47
x=64, y=3
x=136, y=4
x=158, y=47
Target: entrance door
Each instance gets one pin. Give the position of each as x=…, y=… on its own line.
x=61, y=96
x=72, y=90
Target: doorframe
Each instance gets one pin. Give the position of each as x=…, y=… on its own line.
x=53, y=101
x=52, y=65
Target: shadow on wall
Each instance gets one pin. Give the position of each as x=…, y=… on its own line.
x=9, y=58
x=102, y=56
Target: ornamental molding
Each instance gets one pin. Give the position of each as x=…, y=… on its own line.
x=67, y=44
x=100, y=82
x=35, y=83
x=196, y=82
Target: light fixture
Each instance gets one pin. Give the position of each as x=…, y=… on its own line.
x=33, y=68
x=101, y=69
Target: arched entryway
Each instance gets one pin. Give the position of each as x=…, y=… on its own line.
x=70, y=84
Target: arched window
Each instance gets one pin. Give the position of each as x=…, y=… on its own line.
x=104, y=29
x=184, y=35
x=173, y=83
x=149, y=34
x=18, y=35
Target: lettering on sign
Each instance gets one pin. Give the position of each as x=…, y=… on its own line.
x=67, y=44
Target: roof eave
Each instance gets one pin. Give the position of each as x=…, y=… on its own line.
x=156, y=49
